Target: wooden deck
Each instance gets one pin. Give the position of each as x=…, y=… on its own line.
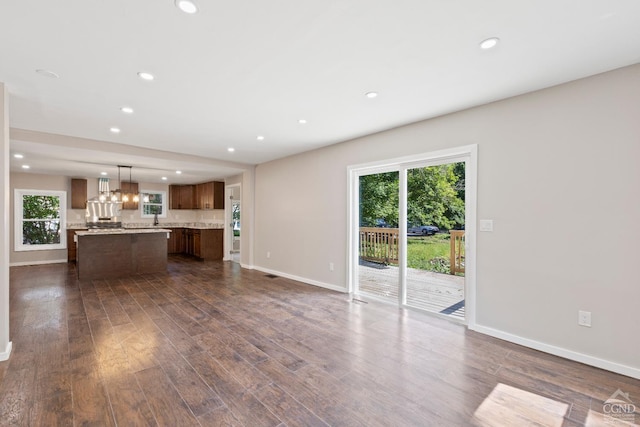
x=434, y=292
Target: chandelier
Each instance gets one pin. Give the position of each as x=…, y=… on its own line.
x=118, y=195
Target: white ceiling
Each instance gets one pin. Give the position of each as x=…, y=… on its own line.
x=239, y=69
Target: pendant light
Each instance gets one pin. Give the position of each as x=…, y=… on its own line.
x=119, y=195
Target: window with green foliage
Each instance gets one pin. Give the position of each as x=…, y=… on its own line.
x=40, y=220
x=153, y=203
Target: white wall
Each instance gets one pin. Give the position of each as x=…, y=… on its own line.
x=557, y=172
x=5, y=224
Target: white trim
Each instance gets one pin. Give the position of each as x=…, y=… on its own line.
x=303, y=280
x=50, y=261
x=6, y=353
x=559, y=351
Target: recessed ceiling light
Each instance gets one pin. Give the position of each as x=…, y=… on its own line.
x=127, y=110
x=145, y=76
x=164, y=178
x=371, y=94
x=103, y=173
x=25, y=166
x=114, y=130
x=489, y=43
x=302, y=121
x=47, y=73
x=231, y=149
x=178, y=172
x=18, y=156
x=186, y=6
x=260, y=138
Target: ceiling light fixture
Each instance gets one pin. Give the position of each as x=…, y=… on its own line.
x=114, y=130
x=302, y=121
x=178, y=172
x=47, y=73
x=146, y=76
x=18, y=156
x=231, y=149
x=164, y=178
x=186, y=6
x=25, y=166
x=119, y=195
x=103, y=173
x=371, y=94
x=489, y=43
x=126, y=110
x=260, y=138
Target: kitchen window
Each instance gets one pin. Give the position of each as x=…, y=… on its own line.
x=152, y=203
x=39, y=220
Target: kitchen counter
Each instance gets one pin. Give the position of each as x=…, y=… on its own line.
x=164, y=225
x=101, y=231
x=108, y=254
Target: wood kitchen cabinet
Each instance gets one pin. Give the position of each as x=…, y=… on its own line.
x=205, y=244
x=182, y=197
x=71, y=245
x=210, y=195
x=78, y=193
x=175, y=243
x=130, y=189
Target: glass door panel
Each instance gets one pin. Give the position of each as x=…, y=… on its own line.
x=378, y=243
x=435, y=239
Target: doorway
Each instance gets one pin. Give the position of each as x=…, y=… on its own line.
x=412, y=232
x=233, y=216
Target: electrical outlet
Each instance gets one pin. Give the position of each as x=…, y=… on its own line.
x=330, y=266
x=584, y=318
x=268, y=254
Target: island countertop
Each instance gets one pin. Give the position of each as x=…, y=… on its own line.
x=101, y=231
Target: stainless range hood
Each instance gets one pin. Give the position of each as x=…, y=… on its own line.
x=103, y=214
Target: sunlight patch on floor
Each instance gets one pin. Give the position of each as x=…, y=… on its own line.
x=508, y=405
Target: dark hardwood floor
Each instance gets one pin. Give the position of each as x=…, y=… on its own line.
x=211, y=344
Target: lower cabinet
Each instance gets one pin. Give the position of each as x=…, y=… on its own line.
x=71, y=245
x=175, y=243
x=205, y=244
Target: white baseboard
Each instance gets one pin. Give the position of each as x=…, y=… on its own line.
x=51, y=261
x=6, y=353
x=302, y=279
x=559, y=351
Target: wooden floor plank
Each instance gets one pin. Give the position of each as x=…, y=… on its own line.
x=212, y=344
x=166, y=404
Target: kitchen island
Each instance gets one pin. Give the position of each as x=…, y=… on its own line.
x=108, y=254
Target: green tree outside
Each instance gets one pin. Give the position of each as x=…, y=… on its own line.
x=41, y=220
x=435, y=196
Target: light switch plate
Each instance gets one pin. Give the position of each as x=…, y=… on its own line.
x=486, y=225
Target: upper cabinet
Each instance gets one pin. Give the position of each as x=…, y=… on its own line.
x=182, y=197
x=209, y=195
x=78, y=193
x=130, y=189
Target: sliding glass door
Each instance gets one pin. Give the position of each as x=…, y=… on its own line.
x=409, y=247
